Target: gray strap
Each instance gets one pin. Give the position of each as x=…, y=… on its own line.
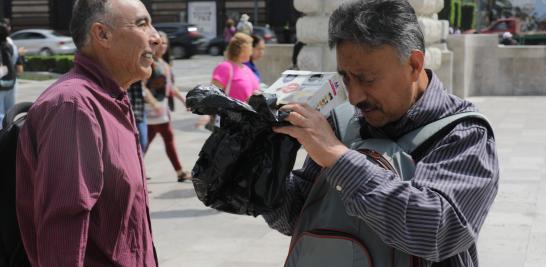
x=410, y=141
x=344, y=122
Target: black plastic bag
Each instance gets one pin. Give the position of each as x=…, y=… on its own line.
x=243, y=165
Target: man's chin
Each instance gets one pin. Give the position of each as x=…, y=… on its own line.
x=146, y=73
x=374, y=121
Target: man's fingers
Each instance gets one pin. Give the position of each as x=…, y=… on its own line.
x=288, y=130
x=303, y=109
x=297, y=119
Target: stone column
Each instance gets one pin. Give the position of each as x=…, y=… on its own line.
x=312, y=29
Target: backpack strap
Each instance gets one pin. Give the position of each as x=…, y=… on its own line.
x=345, y=124
x=415, y=141
x=12, y=113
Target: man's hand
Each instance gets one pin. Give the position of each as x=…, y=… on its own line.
x=313, y=132
x=22, y=51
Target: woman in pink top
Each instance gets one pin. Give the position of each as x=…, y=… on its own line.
x=236, y=79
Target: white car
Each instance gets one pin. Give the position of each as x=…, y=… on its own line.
x=43, y=42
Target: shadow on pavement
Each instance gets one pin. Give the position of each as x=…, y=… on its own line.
x=179, y=193
x=185, y=124
x=189, y=213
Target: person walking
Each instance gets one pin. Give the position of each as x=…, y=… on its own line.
x=244, y=25
x=11, y=65
x=81, y=195
x=258, y=50
x=232, y=75
x=137, y=99
x=160, y=85
x=229, y=30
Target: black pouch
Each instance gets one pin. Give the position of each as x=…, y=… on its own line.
x=243, y=165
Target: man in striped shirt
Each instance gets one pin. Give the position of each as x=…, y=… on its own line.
x=437, y=215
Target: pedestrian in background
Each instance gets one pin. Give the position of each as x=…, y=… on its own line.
x=11, y=65
x=232, y=75
x=244, y=25
x=258, y=50
x=138, y=96
x=81, y=194
x=508, y=39
x=157, y=110
x=229, y=30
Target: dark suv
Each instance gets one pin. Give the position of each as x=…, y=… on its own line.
x=184, y=38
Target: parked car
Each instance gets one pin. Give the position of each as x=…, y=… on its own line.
x=184, y=38
x=43, y=42
x=217, y=45
x=266, y=33
x=214, y=46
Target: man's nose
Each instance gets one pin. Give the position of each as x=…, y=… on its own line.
x=355, y=94
x=155, y=39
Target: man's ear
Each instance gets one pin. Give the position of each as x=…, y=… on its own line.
x=100, y=34
x=416, y=63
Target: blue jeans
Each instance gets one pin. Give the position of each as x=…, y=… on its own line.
x=143, y=133
x=7, y=100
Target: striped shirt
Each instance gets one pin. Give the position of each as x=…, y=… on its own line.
x=80, y=191
x=437, y=215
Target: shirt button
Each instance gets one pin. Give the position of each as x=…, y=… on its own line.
x=338, y=187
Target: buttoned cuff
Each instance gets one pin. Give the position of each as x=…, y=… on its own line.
x=351, y=172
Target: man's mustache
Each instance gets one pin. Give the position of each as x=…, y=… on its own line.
x=366, y=105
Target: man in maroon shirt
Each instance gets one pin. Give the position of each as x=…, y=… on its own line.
x=81, y=196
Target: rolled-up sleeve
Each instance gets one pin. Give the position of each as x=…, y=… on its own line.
x=67, y=183
x=439, y=212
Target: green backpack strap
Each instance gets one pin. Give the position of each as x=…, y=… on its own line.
x=346, y=125
x=413, y=140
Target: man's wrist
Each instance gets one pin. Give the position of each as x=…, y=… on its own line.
x=336, y=152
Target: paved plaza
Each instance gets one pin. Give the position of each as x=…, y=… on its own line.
x=188, y=234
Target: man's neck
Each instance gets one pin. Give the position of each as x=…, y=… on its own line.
x=114, y=75
x=422, y=84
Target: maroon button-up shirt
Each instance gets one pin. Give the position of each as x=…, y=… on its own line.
x=81, y=196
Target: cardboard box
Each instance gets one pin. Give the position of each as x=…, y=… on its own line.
x=322, y=90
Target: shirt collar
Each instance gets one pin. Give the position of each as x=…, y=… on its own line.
x=97, y=73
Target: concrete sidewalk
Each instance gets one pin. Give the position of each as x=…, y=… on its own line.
x=189, y=234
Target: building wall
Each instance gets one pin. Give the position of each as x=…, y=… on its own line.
x=166, y=10
x=29, y=14
x=482, y=67
x=56, y=13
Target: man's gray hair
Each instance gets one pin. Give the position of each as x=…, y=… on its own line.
x=84, y=14
x=375, y=23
